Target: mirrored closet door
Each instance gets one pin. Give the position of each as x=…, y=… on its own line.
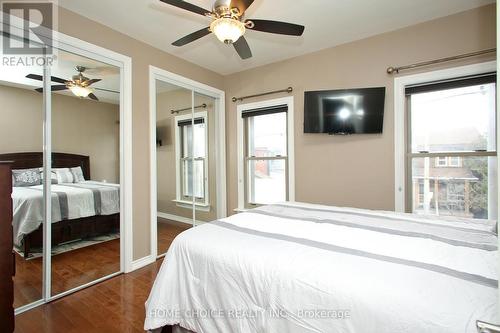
x=85, y=171
x=186, y=160
x=204, y=159
x=21, y=142
x=173, y=162
x=65, y=148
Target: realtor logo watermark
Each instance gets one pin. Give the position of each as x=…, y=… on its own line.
x=28, y=27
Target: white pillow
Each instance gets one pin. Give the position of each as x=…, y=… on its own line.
x=64, y=175
x=77, y=174
x=53, y=176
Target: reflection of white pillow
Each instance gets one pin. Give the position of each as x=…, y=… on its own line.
x=64, y=175
x=77, y=174
x=53, y=176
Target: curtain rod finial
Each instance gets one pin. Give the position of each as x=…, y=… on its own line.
x=235, y=99
x=391, y=70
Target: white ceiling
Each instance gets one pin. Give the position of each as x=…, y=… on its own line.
x=64, y=68
x=328, y=23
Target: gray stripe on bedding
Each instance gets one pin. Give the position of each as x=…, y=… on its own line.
x=62, y=199
x=474, y=278
x=97, y=201
x=96, y=192
x=393, y=218
x=407, y=233
x=63, y=204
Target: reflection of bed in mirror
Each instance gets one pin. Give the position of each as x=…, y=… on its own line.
x=80, y=210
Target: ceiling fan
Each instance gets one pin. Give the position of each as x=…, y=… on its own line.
x=78, y=84
x=229, y=25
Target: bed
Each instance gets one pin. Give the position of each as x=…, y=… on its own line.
x=297, y=267
x=79, y=210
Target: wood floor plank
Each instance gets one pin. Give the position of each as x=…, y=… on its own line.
x=115, y=305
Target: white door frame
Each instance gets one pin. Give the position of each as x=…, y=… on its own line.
x=290, y=145
x=399, y=117
x=85, y=49
x=158, y=74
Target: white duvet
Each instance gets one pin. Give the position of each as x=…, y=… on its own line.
x=310, y=268
x=79, y=202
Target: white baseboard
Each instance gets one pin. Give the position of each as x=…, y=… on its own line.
x=176, y=218
x=142, y=262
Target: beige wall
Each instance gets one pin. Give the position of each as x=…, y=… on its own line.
x=166, y=165
x=356, y=170
x=142, y=56
x=78, y=127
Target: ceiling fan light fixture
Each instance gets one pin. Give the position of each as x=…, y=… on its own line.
x=228, y=30
x=79, y=91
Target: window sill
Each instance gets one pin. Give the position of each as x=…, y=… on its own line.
x=188, y=204
x=243, y=210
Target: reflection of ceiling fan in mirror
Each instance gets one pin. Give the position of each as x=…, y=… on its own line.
x=229, y=26
x=79, y=85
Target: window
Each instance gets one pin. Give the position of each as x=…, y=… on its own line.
x=441, y=161
x=450, y=161
x=192, y=159
x=453, y=123
x=454, y=161
x=265, y=154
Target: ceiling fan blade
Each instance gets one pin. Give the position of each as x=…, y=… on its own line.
x=187, y=6
x=94, y=97
x=40, y=78
x=107, y=90
x=242, y=5
x=35, y=77
x=89, y=82
x=192, y=37
x=242, y=48
x=59, y=87
x=54, y=88
x=58, y=80
x=276, y=27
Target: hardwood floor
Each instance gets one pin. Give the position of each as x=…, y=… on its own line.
x=69, y=270
x=115, y=305
x=167, y=231
x=77, y=267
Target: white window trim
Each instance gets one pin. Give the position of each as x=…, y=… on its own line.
x=399, y=117
x=179, y=199
x=241, y=149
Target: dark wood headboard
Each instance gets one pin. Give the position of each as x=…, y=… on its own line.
x=59, y=160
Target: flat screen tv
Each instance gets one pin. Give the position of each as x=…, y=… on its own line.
x=343, y=112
